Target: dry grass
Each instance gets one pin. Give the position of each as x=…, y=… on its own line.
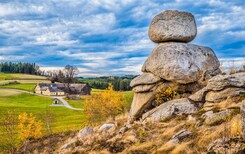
x=9, y=92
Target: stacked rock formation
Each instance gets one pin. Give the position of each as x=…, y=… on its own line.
x=172, y=62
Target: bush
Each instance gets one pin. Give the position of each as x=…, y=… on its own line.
x=29, y=127
x=107, y=103
x=165, y=95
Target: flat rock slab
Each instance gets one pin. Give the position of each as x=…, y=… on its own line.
x=219, y=82
x=169, y=109
x=182, y=63
x=144, y=79
x=221, y=86
x=218, y=96
x=173, y=25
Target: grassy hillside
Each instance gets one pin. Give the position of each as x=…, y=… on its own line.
x=64, y=119
x=24, y=81
x=15, y=76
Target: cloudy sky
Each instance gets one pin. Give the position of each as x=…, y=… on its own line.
x=109, y=37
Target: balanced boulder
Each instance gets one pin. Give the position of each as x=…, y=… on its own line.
x=181, y=62
x=173, y=26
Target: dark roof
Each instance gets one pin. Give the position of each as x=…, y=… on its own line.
x=55, y=87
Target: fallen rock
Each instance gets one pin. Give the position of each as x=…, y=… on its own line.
x=172, y=25
x=144, y=79
x=69, y=144
x=169, y=109
x=217, y=118
x=217, y=96
x=106, y=127
x=85, y=132
x=182, y=63
x=180, y=136
x=141, y=102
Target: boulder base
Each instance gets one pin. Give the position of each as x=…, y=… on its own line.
x=182, y=63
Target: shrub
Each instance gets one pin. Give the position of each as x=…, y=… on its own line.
x=29, y=127
x=165, y=95
x=107, y=103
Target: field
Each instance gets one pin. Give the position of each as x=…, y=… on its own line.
x=13, y=76
x=13, y=98
x=23, y=81
x=24, y=86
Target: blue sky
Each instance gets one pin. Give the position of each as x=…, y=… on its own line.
x=109, y=37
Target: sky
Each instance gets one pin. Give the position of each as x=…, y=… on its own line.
x=109, y=37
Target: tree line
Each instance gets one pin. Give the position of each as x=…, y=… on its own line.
x=26, y=68
x=119, y=83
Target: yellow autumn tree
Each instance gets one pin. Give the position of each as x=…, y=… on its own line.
x=104, y=104
x=29, y=127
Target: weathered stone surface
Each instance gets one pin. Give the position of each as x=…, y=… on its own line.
x=180, y=136
x=217, y=96
x=143, y=88
x=141, y=101
x=170, y=108
x=219, y=82
x=181, y=62
x=144, y=79
x=69, y=144
x=106, y=127
x=217, y=118
x=85, y=132
x=221, y=86
x=173, y=25
x=199, y=95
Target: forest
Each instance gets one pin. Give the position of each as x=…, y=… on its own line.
x=26, y=68
x=119, y=83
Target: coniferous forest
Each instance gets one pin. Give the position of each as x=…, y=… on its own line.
x=26, y=68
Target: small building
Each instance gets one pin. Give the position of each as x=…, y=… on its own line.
x=48, y=89
x=60, y=90
x=80, y=89
x=56, y=101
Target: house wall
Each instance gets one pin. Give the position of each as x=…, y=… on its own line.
x=37, y=89
x=60, y=93
x=47, y=92
x=86, y=90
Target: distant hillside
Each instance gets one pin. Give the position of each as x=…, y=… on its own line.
x=120, y=83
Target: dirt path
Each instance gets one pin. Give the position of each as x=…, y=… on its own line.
x=61, y=99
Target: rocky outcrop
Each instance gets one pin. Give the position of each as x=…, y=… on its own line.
x=181, y=62
x=173, y=26
x=173, y=62
x=169, y=109
x=221, y=87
